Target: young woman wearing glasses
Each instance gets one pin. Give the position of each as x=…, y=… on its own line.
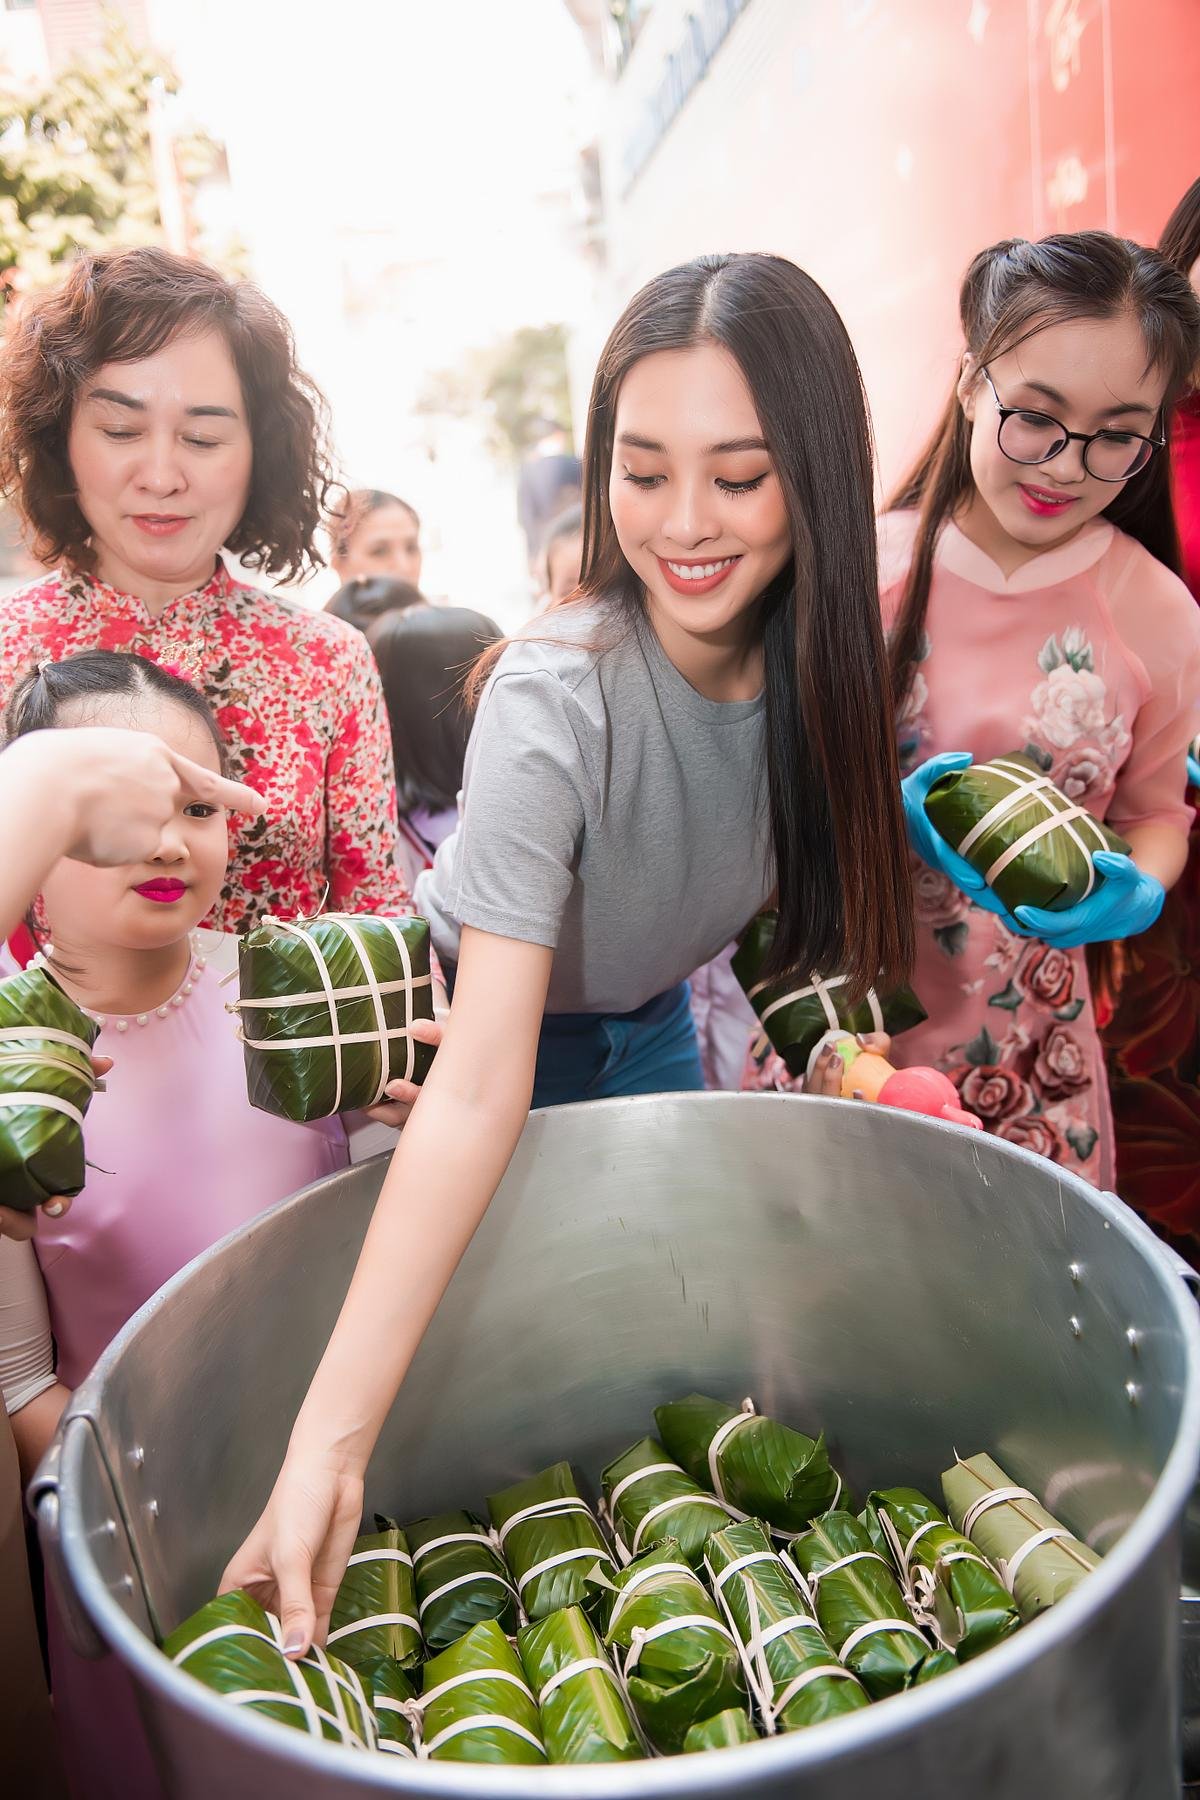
x=1028, y=572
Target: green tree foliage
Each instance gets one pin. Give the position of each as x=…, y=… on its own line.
x=515, y=383
x=76, y=163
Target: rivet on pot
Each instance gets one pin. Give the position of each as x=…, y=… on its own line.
x=1133, y=1338
x=1075, y=1272
x=1076, y=1327
x=137, y=1456
x=110, y=1528
x=152, y=1508
x=1133, y=1392
x=127, y=1584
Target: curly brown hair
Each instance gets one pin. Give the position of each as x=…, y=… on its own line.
x=122, y=306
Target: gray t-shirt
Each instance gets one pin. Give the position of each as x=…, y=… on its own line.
x=608, y=811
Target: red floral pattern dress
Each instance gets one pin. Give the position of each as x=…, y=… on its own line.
x=298, y=698
x=1088, y=659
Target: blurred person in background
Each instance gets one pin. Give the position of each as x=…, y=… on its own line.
x=424, y=655
x=550, y=479
x=1151, y=985
x=151, y=414
x=562, y=555
x=365, y=600
x=375, y=533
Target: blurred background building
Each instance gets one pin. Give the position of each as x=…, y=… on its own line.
x=452, y=202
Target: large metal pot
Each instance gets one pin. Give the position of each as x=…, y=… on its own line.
x=909, y=1287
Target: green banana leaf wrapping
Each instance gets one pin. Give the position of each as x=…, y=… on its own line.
x=989, y=809
x=722, y=1731
x=1039, y=1575
x=326, y=1008
x=796, y=1012
x=375, y=1613
x=958, y=1592
x=395, y=1705
x=792, y=1673
x=758, y=1468
x=550, y=1537
x=46, y=1085
x=678, y=1658
x=476, y=1705
x=585, y=1715
x=859, y=1605
x=461, y=1578
x=236, y=1648
x=650, y=1498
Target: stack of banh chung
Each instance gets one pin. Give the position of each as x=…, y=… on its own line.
x=723, y=1590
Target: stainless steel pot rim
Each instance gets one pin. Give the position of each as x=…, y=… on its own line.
x=897, y=1718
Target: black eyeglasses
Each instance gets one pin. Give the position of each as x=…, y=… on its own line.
x=1035, y=437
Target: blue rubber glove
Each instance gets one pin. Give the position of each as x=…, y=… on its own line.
x=1193, y=768
x=932, y=847
x=1125, y=903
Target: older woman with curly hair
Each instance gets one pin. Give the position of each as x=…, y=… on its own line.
x=152, y=414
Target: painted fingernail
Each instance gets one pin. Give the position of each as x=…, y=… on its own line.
x=55, y=1210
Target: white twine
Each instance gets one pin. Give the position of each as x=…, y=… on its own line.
x=301, y=1694
x=481, y=1722
x=466, y=1677
x=580, y=1667
x=367, y=1556
x=742, y=1417
x=1008, y=1570
x=741, y=1562
x=994, y=1497
x=554, y=1562
x=1027, y=787
x=48, y=1034
x=382, y=1036
x=545, y=1508
x=44, y=1103
x=462, y=1581
x=843, y=1562
x=641, y=1635
x=875, y=1625
x=670, y=1506
x=637, y=1580
x=823, y=990
x=25, y=1058
x=452, y=1537
x=373, y=1623
x=628, y=1481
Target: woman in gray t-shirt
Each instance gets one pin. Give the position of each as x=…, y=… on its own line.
x=707, y=722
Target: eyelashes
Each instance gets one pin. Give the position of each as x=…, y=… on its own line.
x=726, y=487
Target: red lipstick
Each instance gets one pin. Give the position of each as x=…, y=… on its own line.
x=159, y=524
x=164, y=891
x=697, y=582
x=1044, y=503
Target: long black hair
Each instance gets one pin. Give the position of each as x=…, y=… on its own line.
x=423, y=654
x=363, y=600
x=1180, y=240
x=844, y=892
x=1011, y=291
x=37, y=701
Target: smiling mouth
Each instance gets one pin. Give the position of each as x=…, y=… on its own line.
x=1044, y=499
x=696, y=577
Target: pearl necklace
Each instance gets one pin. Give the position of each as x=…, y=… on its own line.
x=122, y=1022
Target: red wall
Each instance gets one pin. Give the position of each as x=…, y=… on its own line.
x=1068, y=114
